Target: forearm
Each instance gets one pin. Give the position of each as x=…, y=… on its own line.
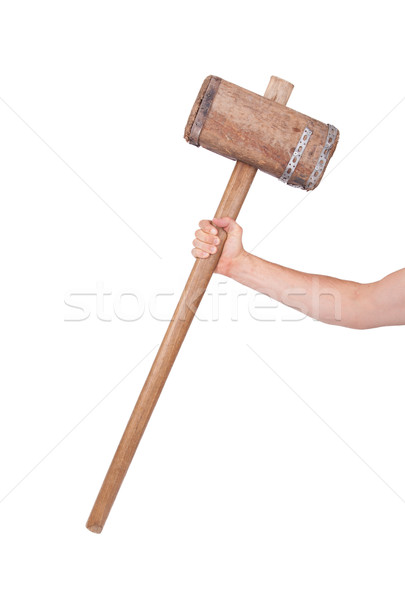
x=327, y=299
x=324, y=298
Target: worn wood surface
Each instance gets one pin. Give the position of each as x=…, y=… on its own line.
x=230, y=205
x=259, y=131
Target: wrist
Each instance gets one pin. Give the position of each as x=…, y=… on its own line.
x=237, y=265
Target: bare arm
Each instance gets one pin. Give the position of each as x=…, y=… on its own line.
x=328, y=299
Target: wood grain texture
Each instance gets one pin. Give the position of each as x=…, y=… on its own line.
x=230, y=205
x=260, y=131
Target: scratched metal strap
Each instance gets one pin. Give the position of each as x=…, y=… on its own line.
x=322, y=160
x=295, y=159
x=204, y=110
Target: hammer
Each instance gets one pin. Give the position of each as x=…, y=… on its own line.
x=259, y=132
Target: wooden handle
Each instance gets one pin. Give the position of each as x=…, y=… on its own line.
x=230, y=205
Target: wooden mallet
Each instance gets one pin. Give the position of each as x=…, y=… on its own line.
x=259, y=132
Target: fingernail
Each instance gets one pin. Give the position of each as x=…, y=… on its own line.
x=213, y=231
x=216, y=241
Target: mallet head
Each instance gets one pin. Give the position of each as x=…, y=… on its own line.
x=250, y=128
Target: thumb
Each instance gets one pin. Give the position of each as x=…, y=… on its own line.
x=230, y=225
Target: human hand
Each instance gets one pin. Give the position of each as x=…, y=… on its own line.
x=206, y=242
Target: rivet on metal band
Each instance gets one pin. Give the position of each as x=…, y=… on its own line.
x=294, y=160
x=320, y=165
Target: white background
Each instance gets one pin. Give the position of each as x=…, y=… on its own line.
x=281, y=480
